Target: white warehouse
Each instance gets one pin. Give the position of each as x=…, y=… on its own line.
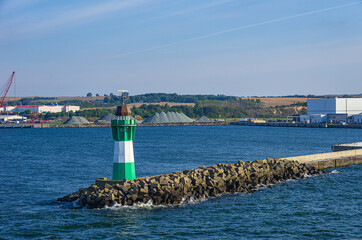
x=314, y=118
x=350, y=106
x=41, y=109
x=7, y=118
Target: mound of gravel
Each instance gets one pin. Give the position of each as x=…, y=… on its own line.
x=109, y=117
x=76, y=120
x=169, y=117
x=106, y=118
x=204, y=119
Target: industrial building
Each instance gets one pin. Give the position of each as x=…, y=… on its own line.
x=333, y=110
x=12, y=118
x=41, y=109
x=314, y=118
x=336, y=105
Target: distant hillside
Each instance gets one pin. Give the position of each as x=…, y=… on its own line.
x=280, y=101
x=156, y=98
x=113, y=100
x=246, y=108
x=212, y=106
x=220, y=109
x=239, y=108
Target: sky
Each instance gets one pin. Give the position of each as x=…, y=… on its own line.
x=231, y=47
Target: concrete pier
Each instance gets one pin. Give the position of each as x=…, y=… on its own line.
x=332, y=159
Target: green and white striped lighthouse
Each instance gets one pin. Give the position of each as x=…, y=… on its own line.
x=123, y=132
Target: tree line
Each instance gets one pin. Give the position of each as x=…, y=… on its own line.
x=166, y=97
x=239, y=108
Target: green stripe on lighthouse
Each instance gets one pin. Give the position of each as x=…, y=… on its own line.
x=123, y=171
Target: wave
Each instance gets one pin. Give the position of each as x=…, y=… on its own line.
x=149, y=205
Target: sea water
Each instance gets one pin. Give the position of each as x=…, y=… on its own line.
x=40, y=165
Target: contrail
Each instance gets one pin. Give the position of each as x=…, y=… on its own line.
x=239, y=28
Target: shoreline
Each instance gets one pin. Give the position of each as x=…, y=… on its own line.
x=305, y=125
x=270, y=124
x=11, y=126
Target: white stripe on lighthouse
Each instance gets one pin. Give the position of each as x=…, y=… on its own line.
x=123, y=152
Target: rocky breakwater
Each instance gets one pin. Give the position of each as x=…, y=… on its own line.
x=194, y=184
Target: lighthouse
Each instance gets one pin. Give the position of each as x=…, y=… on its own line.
x=123, y=132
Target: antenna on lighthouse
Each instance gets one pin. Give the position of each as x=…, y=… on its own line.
x=121, y=93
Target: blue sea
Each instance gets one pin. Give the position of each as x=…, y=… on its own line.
x=40, y=165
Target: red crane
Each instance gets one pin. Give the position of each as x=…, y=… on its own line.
x=6, y=88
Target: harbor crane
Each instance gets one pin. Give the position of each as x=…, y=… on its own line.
x=5, y=89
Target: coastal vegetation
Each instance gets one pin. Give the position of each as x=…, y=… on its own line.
x=224, y=109
x=110, y=100
x=212, y=109
x=145, y=105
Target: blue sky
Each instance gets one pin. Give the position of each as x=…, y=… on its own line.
x=233, y=47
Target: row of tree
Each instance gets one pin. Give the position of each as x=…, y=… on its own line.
x=166, y=97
